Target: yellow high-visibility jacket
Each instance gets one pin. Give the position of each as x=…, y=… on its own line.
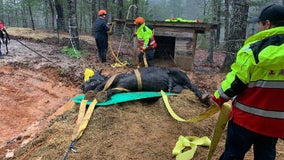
x=256, y=82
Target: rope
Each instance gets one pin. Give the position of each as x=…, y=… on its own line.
x=225, y=111
x=34, y=51
x=124, y=27
x=145, y=59
x=69, y=149
x=71, y=41
x=120, y=64
x=81, y=124
x=209, y=112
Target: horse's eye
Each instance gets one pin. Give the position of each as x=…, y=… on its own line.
x=92, y=83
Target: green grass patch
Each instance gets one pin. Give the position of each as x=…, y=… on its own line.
x=73, y=53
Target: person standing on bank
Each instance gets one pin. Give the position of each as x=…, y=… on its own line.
x=100, y=32
x=146, y=41
x=256, y=85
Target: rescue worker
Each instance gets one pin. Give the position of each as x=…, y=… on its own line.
x=2, y=32
x=100, y=32
x=256, y=85
x=146, y=41
x=1, y=36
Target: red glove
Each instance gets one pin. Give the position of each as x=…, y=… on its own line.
x=219, y=101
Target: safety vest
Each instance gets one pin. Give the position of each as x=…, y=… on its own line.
x=145, y=38
x=257, y=83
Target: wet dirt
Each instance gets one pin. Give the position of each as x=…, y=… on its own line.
x=32, y=89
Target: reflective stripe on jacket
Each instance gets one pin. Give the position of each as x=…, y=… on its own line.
x=257, y=81
x=145, y=37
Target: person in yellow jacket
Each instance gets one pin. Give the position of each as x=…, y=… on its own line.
x=146, y=41
x=256, y=86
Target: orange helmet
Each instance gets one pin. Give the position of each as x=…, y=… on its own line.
x=102, y=12
x=139, y=20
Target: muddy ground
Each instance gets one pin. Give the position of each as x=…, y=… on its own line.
x=35, y=91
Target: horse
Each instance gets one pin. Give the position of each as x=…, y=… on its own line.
x=143, y=79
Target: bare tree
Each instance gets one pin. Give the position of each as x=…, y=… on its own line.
x=119, y=10
x=51, y=6
x=60, y=15
x=73, y=27
x=226, y=20
x=212, y=31
x=94, y=11
x=237, y=32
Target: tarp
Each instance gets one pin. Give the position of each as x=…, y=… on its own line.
x=123, y=97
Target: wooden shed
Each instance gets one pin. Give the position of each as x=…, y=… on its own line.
x=176, y=40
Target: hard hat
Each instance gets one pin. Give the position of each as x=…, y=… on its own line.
x=102, y=12
x=139, y=20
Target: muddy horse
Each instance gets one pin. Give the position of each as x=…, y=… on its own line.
x=143, y=79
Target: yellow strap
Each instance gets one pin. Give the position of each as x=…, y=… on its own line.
x=85, y=120
x=190, y=142
x=209, y=112
x=122, y=64
x=138, y=78
x=145, y=59
x=219, y=128
x=121, y=89
x=80, y=117
x=109, y=82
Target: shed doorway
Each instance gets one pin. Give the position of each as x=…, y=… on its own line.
x=165, y=51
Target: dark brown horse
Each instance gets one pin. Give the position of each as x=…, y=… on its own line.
x=143, y=79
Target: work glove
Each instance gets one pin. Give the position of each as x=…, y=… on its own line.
x=217, y=101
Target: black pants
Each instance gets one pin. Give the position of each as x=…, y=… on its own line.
x=239, y=141
x=102, y=46
x=150, y=53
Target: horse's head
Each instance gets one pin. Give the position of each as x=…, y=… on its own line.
x=94, y=81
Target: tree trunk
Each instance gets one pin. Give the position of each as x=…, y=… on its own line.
x=237, y=33
x=60, y=15
x=24, y=20
x=135, y=11
x=218, y=18
x=52, y=13
x=32, y=18
x=73, y=27
x=226, y=21
x=119, y=10
x=212, y=32
x=94, y=11
x=1, y=9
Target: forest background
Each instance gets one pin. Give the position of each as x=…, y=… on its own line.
x=77, y=17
